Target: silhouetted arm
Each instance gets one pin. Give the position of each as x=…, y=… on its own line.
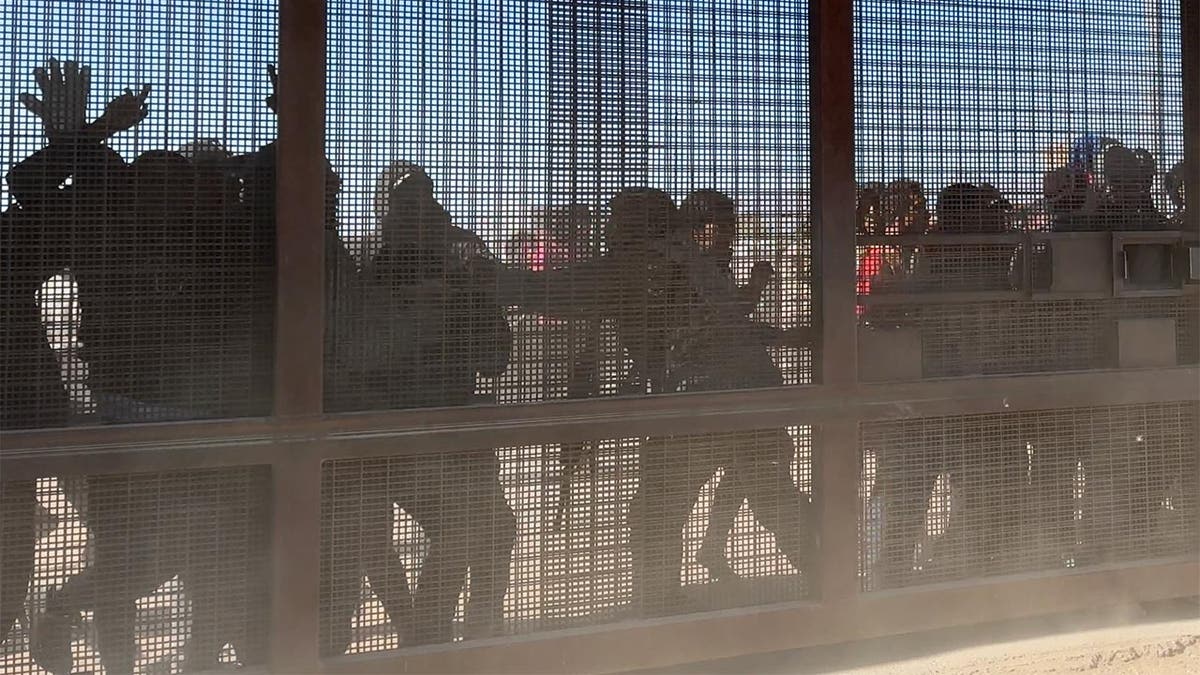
x=597, y=287
x=37, y=179
x=75, y=151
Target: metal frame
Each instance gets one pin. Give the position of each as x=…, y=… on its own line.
x=300, y=437
x=1115, y=243
x=1122, y=240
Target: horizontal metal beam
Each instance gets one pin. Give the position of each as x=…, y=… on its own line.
x=242, y=442
x=669, y=642
x=935, y=238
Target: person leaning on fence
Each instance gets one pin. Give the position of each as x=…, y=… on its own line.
x=426, y=329
x=714, y=346
x=31, y=387
x=165, y=259
x=34, y=246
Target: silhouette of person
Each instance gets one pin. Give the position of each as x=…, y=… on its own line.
x=906, y=480
x=712, y=219
x=1103, y=186
x=684, y=326
x=257, y=173
x=965, y=208
x=630, y=284
x=160, y=248
x=427, y=328
x=31, y=389
x=32, y=249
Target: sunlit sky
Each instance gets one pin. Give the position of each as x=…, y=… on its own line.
x=711, y=94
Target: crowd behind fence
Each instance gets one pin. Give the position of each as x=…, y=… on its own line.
x=673, y=252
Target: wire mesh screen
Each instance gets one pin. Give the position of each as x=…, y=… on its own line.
x=148, y=573
x=429, y=548
x=962, y=339
x=1002, y=152
x=951, y=498
x=137, y=245
x=566, y=199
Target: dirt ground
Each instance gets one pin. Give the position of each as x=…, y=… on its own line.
x=1167, y=648
x=1161, y=639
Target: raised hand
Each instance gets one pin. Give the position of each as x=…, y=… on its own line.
x=63, y=106
x=124, y=112
x=272, y=100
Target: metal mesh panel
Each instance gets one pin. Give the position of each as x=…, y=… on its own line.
x=136, y=250
x=1029, y=336
x=439, y=547
x=141, y=572
x=1002, y=152
x=951, y=498
x=567, y=200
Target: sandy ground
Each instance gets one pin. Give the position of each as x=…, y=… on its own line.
x=1163, y=638
x=1168, y=648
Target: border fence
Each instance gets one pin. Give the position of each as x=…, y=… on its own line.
x=589, y=336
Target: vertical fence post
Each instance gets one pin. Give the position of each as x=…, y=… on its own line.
x=1190, y=37
x=300, y=204
x=831, y=45
x=296, y=473
x=1190, y=47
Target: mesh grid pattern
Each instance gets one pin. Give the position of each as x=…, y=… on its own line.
x=138, y=227
x=953, y=498
x=1023, y=336
x=567, y=199
x=981, y=125
x=431, y=548
x=150, y=573
x=530, y=201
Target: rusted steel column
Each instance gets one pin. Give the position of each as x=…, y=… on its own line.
x=296, y=470
x=300, y=204
x=831, y=39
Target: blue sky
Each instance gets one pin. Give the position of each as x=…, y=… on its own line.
x=948, y=90
x=981, y=104
x=205, y=61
